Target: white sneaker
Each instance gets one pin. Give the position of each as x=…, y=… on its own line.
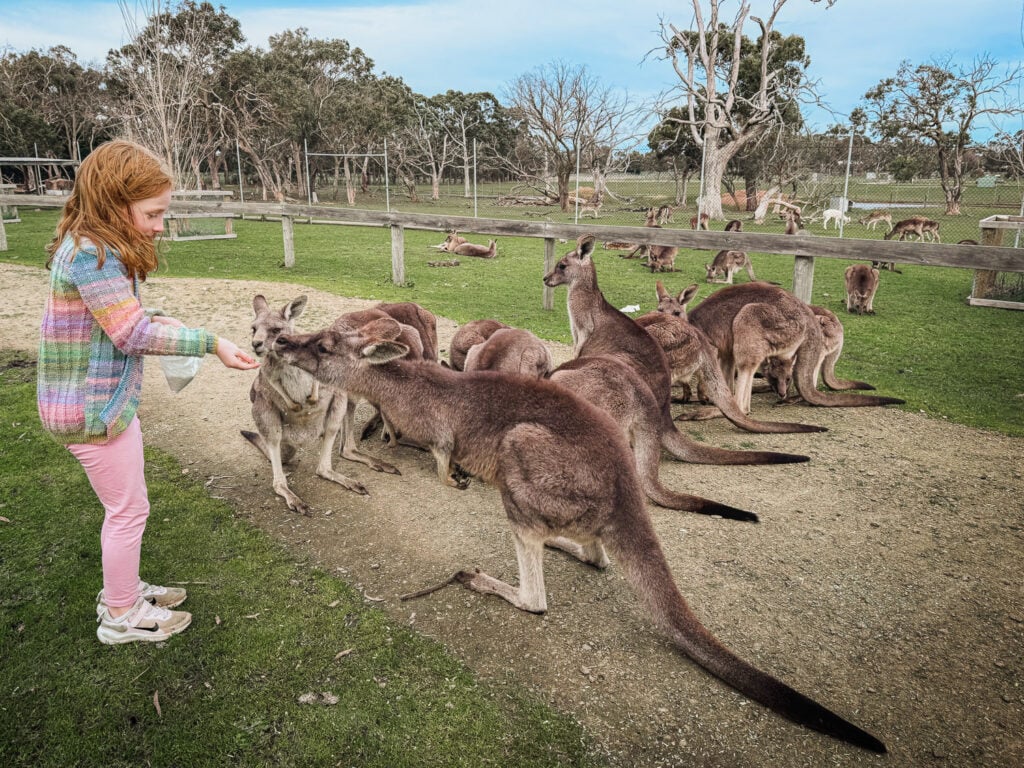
x=162, y=597
x=143, y=621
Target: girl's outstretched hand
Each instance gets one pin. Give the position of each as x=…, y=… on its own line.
x=233, y=357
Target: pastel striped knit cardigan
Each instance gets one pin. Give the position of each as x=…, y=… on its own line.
x=93, y=337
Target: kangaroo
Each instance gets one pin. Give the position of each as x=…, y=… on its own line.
x=665, y=213
x=734, y=226
x=861, y=284
x=489, y=251
x=703, y=221
x=598, y=328
x=467, y=336
x=566, y=479
x=728, y=263
x=779, y=373
x=450, y=242
x=613, y=387
x=835, y=216
x=752, y=322
x=690, y=353
x=794, y=224
x=288, y=407
x=873, y=219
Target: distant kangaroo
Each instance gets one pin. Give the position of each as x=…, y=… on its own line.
x=734, y=226
x=690, y=353
x=861, y=285
x=727, y=264
x=488, y=251
x=752, y=322
x=600, y=329
x=660, y=258
x=613, y=387
x=702, y=221
x=566, y=478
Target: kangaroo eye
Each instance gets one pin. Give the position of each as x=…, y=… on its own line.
x=322, y=348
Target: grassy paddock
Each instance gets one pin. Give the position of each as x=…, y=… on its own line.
x=265, y=631
x=925, y=343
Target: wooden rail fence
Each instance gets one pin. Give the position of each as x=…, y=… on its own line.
x=990, y=257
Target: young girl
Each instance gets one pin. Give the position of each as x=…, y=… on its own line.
x=93, y=338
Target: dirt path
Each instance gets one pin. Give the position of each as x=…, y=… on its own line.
x=884, y=578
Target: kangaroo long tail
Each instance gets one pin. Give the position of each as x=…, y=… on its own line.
x=721, y=395
x=647, y=451
x=684, y=449
x=639, y=554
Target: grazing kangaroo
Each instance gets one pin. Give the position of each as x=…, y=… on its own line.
x=835, y=216
x=861, y=284
x=752, y=322
x=703, y=221
x=779, y=373
x=488, y=251
x=566, y=478
x=728, y=263
x=289, y=408
x=872, y=219
x=613, y=387
x=734, y=226
x=691, y=354
x=469, y=335
x=598, y=328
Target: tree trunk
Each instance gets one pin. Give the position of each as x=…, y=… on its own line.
x=350, y=188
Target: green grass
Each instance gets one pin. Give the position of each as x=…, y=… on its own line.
x=266, y=630
x=925, y=344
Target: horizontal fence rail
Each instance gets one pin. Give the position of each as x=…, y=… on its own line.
x=804, y=248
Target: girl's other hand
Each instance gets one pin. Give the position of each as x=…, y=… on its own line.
x=233, y=357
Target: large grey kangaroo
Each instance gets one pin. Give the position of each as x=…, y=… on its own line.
x=598, y=328
x=566, y=478
x=690, y=353
x=613, y=387
x=753, y=322
x=289, y=408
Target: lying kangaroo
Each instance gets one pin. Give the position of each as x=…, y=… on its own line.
x=752, y=322
x=613, y=387
x=691, y=354
x=453, y=240
x=488, y=251
x=779, y=373
x=728, y=263
x=288, y=406
x=861, y=285
x=600, y=329
x=566, y=479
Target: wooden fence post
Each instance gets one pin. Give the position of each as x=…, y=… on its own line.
x=288, y=229
x=985, y=279
x=549, y=264
x=803, y=277
x=3, y=233
x=398, y=254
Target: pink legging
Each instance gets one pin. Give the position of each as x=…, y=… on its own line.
x=115, y=470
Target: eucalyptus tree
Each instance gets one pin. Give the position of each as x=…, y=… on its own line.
x=469, y=119
x=940, y=104
x=732, y=90
x=163, y=80
x=671, y=142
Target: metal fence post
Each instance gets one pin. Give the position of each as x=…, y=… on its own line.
x=549, y=264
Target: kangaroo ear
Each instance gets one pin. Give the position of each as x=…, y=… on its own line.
x=378, y=352
x=688, y=293
x=259, y=303
x=585, y=245
x=384, y=328
x=294, y=307
x=660, y=288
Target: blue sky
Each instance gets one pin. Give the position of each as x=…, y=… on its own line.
x=480, y=45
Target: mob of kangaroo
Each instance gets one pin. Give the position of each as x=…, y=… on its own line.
x=574, y=450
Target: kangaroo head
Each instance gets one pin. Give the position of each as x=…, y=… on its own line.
x=333, y=354
x=268, y=324
x=574, y=264
x=675, y=305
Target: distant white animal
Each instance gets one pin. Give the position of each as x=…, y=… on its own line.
x=835, y=215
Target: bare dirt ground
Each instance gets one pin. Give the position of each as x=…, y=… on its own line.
x=884, y=578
